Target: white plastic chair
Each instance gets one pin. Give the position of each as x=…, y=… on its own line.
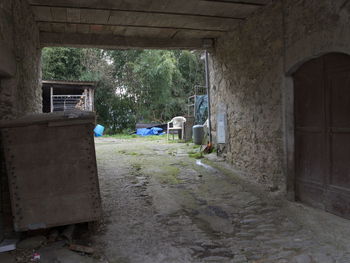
x=177, y=124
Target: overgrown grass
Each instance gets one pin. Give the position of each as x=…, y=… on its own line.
x=121, y=136
x=195, y=154
x=154, y=137
x=169, y=175
x=177, y=141
x=134, y=136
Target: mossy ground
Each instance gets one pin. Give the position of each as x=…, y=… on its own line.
x=158, y=201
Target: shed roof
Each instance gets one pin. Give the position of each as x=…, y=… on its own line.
x=70, y=83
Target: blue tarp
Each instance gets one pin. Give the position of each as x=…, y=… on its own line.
x=99, y=130
x=150, y=131
x=201, y=109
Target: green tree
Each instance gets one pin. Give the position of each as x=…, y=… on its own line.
x=62, y=63
x=159, y=81
x=132, y=85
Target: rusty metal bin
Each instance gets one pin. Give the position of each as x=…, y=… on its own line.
x=51, y=167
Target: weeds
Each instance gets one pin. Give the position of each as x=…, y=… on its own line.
x=134, y=136
x=196, y=155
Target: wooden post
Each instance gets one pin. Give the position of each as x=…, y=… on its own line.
x=51, y=99
x=207, y=84
x=92, y=91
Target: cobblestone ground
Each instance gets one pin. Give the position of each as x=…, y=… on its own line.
x=162, y=206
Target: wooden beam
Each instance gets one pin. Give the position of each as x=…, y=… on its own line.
x=142, y=32
x=152, y=12
x=215, y=9
x=73, y=15
x=42, y=13
x=67, y=82
x=106, y=17
x=59, y=14
x=137, y=26
x=115, y=42
x=235, y=2
x=175, y=21
x=51, y=101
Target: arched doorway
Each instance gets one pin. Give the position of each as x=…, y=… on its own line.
x=322, y=133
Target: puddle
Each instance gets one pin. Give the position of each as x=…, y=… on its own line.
x=206, y=166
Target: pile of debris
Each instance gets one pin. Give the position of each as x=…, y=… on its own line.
x=60, y=244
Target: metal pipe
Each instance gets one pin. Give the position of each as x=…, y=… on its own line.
x=208, y=92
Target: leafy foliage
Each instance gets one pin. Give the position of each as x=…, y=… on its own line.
x=62, y=63
x=132, y=85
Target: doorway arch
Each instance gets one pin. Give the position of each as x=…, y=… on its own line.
x=322, y=133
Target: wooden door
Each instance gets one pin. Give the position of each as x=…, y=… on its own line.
x=322, y=133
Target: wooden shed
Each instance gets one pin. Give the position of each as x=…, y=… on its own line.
x=68, y=95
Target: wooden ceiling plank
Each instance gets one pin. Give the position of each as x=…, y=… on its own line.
x=42, y=13
x=71, y=28
x=119, y=30
x=204, y=32
x=83, y=28
x=98, y=29
x=189, y=7
x=143, y=26
x=172, y=20
x=129, y=32
x=142, y=19
x=149, y=32
x=45, y=27
x=96, y=16
x=183, y=34
x=58, y=28
x=59, y=14
x=114, y=42
x=138, y=11
x=117, y=17
x=73, y=15
x=225, y=9
x=242, y=2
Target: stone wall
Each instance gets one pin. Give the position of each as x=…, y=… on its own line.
x=19, y=36
x=20, y=90
x=251, y=79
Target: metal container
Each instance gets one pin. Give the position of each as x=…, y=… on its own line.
x=198, y=134
x=51, y=168
x=188, y=128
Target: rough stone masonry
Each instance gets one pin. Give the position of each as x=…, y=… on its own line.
x=251, y=80
x=20, y=90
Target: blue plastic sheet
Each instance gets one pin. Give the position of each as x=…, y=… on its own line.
x=98, y=131
x=149, y=131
